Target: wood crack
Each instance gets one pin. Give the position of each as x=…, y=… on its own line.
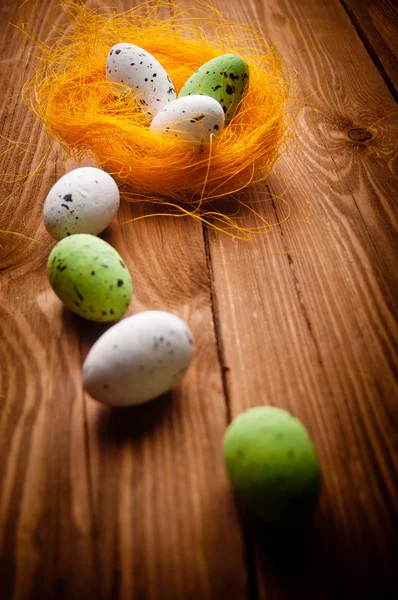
x=249, y=561
x=90, y=478
x=216, y=322
x=371, y=51
x=298, y=289
x=368, y=234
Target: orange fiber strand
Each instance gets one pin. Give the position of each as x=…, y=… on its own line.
x=70, y=94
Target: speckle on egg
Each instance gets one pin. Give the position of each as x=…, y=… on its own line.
x=224, y=78
x=82, y=201
x=144, y=368
x=82, y=270
x=149, y=83
x=273, y=465
x=195, y=119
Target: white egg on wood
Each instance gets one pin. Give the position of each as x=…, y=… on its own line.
x=151, y=87
x=138, y=359
x=192, y=118
x=82, y=201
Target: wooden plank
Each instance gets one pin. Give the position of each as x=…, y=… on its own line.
x=377, y=24
x=306, y=314
x=94, y=502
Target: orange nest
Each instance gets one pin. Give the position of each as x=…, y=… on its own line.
x=70, y=94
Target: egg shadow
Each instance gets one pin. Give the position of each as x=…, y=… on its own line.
x=118, y=425
x=288, y=549
x=300, y=562
x=88, y=331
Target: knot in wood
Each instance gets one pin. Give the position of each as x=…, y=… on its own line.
x=358, y=134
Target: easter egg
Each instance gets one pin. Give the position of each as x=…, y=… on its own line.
x=90, y=277
x=149, y=83
x=138, y=359
x=224, y=78
x=82, y=201
x=194, y=119
x=272, y=465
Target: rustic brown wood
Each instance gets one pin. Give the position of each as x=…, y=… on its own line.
x=305, y=315
x=377, y=24
x=99, y=503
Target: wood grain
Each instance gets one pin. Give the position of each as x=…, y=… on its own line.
x=306, y=314
x=134, y=504
x=98, y=502
x=376, y=22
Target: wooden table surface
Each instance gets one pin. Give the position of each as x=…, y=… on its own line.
x=135, y=504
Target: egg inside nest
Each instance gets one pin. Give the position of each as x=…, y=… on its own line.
x=70, y=93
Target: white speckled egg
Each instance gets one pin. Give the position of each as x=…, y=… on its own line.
x=138, y=359
x=150, y=85
x=193, y=118
x=82, y=201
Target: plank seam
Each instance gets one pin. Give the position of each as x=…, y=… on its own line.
x=216, y=322
x=246, y=538
x=299, y=293
x=370, y=50
x=249, y=559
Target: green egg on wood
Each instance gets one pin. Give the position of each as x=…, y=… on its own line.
x=224, y=78
x=90, y=277
x=273, y=466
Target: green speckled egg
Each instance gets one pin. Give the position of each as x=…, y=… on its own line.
x=273, y=466
x=90, y=277
x=224, y=78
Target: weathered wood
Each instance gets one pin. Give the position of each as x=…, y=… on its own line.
x=306, y=314
x=376, y=22
x=101, y=503
x=134, y=504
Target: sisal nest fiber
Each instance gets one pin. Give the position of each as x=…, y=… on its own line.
x=70, y=94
